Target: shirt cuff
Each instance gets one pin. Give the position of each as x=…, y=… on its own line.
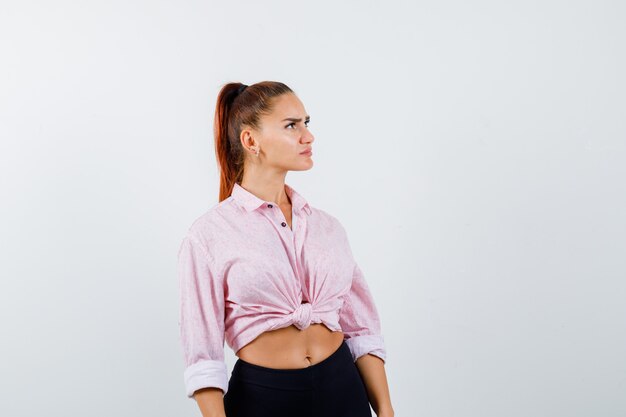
x=362, y=345
x=206, y=373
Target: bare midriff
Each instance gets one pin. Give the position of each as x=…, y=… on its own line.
x=291, y=348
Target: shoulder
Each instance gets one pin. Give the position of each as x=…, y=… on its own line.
x=326, y=220
x=208, y=226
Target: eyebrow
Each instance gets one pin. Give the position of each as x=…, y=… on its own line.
x=291, y=119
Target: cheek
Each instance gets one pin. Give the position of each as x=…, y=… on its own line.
x=284, y=145
x=281, y=145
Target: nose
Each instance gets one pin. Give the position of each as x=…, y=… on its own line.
x=308, y=137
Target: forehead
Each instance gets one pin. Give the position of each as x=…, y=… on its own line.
x=287, y=105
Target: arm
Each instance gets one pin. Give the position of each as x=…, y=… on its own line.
x=211, y=402
x=360, y=323
x=202, y=327
x=372, y=370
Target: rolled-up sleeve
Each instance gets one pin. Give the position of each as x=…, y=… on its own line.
x=359, y=320
x=201, y=318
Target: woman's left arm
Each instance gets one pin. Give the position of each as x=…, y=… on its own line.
x=372, y=370
x=362, y=329
x=361, y=325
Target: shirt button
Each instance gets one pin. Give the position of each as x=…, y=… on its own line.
x=283, y=224
x=270, y=206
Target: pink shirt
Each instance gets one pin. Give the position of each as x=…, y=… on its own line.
x=242, y=271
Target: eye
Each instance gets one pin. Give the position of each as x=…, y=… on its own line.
x=306, y=123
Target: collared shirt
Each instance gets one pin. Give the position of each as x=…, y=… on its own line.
x=243, y=271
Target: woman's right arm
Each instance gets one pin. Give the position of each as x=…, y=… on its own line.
x=202, y=327
x=211, y=402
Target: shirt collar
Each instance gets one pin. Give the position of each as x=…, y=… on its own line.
x=251, y=202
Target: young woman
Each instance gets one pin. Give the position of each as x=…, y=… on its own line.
x=274, y=278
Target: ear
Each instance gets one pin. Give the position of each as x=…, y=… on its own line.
x=247, y=139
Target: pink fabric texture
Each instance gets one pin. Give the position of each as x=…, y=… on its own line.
x=242, y=271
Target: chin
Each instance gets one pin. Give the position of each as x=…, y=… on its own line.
x=302, y=167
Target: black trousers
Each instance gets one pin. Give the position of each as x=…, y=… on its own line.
x=331, y=388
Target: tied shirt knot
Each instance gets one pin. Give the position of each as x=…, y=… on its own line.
x=302, y=315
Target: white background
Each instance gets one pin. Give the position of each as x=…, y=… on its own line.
x=474, y=151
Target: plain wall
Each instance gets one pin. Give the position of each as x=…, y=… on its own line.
x=474, y=151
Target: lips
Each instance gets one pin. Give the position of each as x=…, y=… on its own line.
x=306, y=151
